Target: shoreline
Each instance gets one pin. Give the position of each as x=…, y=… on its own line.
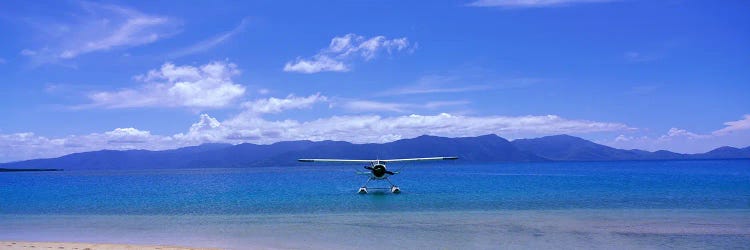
x=18, y=245
x=536, y=229
x=30, y=169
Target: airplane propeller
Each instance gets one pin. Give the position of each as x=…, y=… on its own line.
x=377, y=171
x=387, y=171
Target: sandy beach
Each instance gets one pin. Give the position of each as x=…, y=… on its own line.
x=18, y=245
x=551, y=229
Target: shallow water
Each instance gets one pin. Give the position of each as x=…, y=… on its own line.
x=426, y=187
x=656, y=204
x=516, y=229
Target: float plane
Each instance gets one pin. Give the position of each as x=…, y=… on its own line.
x=377, y=170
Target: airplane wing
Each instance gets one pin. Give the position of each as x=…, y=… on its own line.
x=335, y=160
x=421, y=159
x=387, y=160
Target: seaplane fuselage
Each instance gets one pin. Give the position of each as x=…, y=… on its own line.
x=377, y=169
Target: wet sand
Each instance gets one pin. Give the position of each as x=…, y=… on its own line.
x=505, y=229
x=22, y=245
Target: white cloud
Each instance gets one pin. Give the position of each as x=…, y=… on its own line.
x=734, y=126
x=256, y=129
x=98, y=27
x=128, y=135
x=206, y=122
x=205, y=130
x=736, y=134
x=251, y=126
x=207, y=86
x=365, y=105
x=731, y=128
x=212, y=42
x=676, y=132
x=343, y=50
x=623, y=138
x=530, y=3
x=373, y=128
x=368, y=105
x=21, y=146
x=277, y=105
x=317, y=64
x=471, y=80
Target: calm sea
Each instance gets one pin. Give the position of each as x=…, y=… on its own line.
x=426, y=187
x=235, y=205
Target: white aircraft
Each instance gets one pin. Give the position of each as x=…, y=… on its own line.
x=378, y=171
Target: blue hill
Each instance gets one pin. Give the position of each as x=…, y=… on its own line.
x=726, y=153
x=571, y=148
x=487, y=148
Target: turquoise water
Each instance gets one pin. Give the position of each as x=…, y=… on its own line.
x=426, y=187
x=591, y=205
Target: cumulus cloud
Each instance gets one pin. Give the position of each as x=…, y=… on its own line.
x=374, y=128
x=530, y=3
x=343, y=50
x=98, y=27
x=26, y=145
x=251, y=125
x=205, y=130
x=257, y=129
x=21, y=146
x=248, y=124
x=735, y=133
x=207, y=86
x=206, y=122
x=127, y=135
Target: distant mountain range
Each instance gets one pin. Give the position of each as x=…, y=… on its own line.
x=486, y=148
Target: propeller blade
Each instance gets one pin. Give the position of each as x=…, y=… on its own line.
x=389, y=172
x=368, y=167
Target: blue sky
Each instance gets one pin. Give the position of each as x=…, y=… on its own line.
x=79, y=76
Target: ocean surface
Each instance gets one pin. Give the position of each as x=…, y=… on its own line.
x=611, y=205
